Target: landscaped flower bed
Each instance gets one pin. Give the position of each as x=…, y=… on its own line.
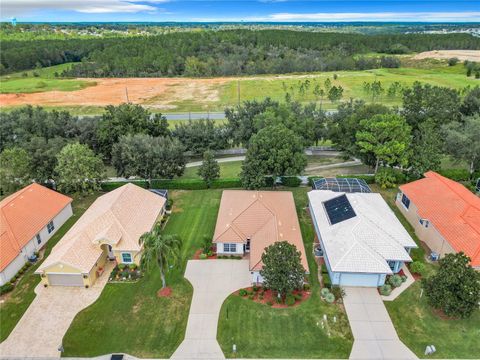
x=268, y=297
x=392, y=282
x=125, y=273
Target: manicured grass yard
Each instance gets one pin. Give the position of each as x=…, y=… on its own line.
x=130, y=318
x=260, y=331
x=17, y=302
x=227, y=170
x=417, y=324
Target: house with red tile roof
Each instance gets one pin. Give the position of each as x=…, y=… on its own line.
x=250, y=221
x=28, y=219
x=444, y=213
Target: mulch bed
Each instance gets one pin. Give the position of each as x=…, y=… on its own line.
x=442, y=315
x=269, y=295
x=165, y=292
x=197, y=254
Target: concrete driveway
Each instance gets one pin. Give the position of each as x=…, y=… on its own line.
x=213, y=281
x=373, y=331
x=40, y=331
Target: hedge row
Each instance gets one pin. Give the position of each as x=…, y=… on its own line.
x=196, y=184
x=458, y=174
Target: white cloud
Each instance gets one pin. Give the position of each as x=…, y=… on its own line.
x=18, y=8
x=379, y=16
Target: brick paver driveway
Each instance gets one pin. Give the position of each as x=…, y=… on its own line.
x=213, y=281
x=40, y=331
x=373, y=331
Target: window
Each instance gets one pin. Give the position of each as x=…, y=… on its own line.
x=405, y=201
x=424, y=222
x=392, y=264
x=50, y=227
x=126, y=258
x=230, y=248
x=39, y=239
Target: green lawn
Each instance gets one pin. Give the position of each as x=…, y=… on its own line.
x=130, y=318
x=260, y=331
x=21, y=297
x=227, y=170
x=416, y=323
x=45, y=80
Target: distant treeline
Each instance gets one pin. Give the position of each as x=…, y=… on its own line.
x=211, y=53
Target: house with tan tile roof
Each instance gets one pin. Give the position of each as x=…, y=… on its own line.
x=444, y=214
x=109, y=230
x=28, y=219
x=250, y=221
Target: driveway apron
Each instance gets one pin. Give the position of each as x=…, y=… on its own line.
x=373, y=331
x=213, y=281
x=40, y=331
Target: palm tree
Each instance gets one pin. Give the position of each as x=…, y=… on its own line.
x=159, y=249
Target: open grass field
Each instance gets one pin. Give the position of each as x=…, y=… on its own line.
x=41, y=80
x=17, y=302
x=227, y=170
x=130, y=318
x=260, y=331
x=88, y=96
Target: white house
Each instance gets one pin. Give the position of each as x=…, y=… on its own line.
x=250, y=221
x=28, y=219
x=360, y=236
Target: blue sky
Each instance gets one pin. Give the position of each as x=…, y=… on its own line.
x=230, y=10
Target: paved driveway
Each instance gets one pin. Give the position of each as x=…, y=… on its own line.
x=40, y=331
x=373, y=331
x=213, y=281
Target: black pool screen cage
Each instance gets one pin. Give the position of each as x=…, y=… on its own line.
x=347, y=185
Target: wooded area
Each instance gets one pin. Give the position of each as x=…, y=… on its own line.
x=225, y=52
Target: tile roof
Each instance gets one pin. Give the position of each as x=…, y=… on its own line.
x=22, y=216
x=263, y=216
x=117, y=218
x=366, y=242
x=453, y=210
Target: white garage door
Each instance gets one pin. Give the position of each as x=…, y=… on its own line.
x=359, y=279
x=65, y=279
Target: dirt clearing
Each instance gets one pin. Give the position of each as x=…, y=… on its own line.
x=471, y=55
x=157, y=92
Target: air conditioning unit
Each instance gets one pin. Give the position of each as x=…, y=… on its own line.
x=434, y=256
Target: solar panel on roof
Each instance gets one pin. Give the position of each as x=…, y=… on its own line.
x=339, y=209
x=349, y=185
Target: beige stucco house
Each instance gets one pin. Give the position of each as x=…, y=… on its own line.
x=109, y=230
x=445, y=215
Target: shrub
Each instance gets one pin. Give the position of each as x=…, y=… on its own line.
x=395, y=280
x=290, y=300
x=338, y=292
x=453, y=61
x=242, y=292
x=13, y=280
x=306, y=287
x=269, y=181
x=112, y=185
x=202, y=256
x=278, y=300
x=455, y=174
x=269, y=303
x=260, y=297
x=169, y=204
x=386, y=289
x=291, y=181
x=324, y=292
x=6, y=288
x=417, y=267
x=124, y=274
x=298, y=297
x=326, y=280
x=255, y=288
x=330, y=298
x=121, y=266
x=251, y=296
x=404, y=278
x=389, y=178
x=196, y=184
x=324, y=269
x=132, y=266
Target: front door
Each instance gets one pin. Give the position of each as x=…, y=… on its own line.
x=110, y=252
x=247, y=246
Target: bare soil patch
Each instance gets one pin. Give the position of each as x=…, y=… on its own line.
x=471, y=55
x=156, y=92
